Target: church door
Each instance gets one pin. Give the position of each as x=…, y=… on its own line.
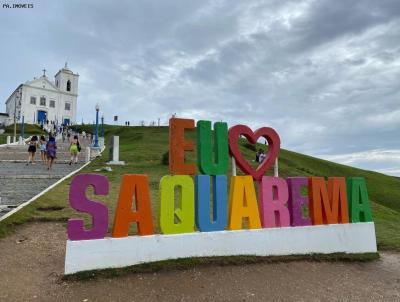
x=42, y=116
x=66, y=121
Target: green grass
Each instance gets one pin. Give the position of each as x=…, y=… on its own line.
x=28, y=131
x=144, y=148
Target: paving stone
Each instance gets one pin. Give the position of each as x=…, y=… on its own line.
x=20, y=182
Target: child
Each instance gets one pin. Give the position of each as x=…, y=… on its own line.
x=74, y=149
x=51, y=151
x=32, y=149
x=42, y=147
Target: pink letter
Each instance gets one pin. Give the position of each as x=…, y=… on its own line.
x=273, y=197
x=79, y=201
x=296, y=201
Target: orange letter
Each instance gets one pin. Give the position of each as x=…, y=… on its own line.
x=178, y=145
x=133, y=185
x=328, y=207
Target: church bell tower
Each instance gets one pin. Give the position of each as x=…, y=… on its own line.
x=66, y=80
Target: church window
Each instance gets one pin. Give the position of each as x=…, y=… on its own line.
x=33, y=100
x=42, y=101
x=67, y=106
x=57, y=83
x=52, y=103
x=69, y=85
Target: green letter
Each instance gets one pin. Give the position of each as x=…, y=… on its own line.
x=357, y=196
x=204, y=148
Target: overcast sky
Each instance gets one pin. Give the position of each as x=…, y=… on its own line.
x=324, y=74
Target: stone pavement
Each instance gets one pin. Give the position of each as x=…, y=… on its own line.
x=19, y=182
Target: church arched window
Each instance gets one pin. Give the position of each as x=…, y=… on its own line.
x=69, y=85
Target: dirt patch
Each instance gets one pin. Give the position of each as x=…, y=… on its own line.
x=52, y=208
x=32, y=263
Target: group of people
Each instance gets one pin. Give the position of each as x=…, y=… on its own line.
x=48, y=150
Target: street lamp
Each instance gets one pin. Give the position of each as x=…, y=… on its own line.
x=102, y=125
x=96, y=138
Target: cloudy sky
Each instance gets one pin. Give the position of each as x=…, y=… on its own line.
x=324, y=74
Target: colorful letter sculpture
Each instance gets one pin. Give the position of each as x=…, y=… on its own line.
x=296, y=201
x=328, y=207
x=204, y=148
x=273, y=148
x=203, y=201
x=178, y=145
x=243, y=204
x=133, y=186
x=183, y=213
x=79, y=201
x=358, y=200
x=273, y=198
x=256, y=227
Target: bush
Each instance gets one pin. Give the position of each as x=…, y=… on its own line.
x=165, y=158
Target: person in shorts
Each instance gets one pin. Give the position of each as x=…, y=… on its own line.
x=51, y=151
x=74, y=149
x=42, y=147
x=33, y=143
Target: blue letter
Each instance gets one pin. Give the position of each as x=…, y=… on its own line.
x=220, y=212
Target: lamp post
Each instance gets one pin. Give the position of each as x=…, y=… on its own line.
x=96, y=138
x=102, y=125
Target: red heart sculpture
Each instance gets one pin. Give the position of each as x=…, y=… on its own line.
x=269, y=134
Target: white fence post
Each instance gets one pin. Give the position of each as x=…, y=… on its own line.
x=87, y=159
x=8, y=140
x=233, y=166
x=276, y=170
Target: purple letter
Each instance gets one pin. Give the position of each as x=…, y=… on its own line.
x=79, y=201
x=296, y=201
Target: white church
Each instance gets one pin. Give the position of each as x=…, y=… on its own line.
x=42, y=101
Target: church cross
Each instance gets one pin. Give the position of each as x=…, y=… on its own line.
x=44, y=72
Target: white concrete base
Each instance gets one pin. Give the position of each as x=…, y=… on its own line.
x=119, y=252
x=113, y=162
x=95, y=152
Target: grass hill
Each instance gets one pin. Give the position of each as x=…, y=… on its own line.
x=144, y=149
x=29, y=130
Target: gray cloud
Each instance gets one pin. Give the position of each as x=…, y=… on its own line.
x=325, y=74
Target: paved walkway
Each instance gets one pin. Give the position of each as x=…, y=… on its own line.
x=19, y=182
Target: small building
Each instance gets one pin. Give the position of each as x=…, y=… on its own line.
x=42, y=101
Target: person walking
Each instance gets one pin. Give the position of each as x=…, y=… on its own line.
x=33, y=143
x=51, y=151
x=42, y=147
x=74, y=149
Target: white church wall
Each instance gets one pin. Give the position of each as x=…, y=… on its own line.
x=43, y=87
x=30, y=111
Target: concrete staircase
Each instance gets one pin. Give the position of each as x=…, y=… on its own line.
x=20, y=182
x=19, y=153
